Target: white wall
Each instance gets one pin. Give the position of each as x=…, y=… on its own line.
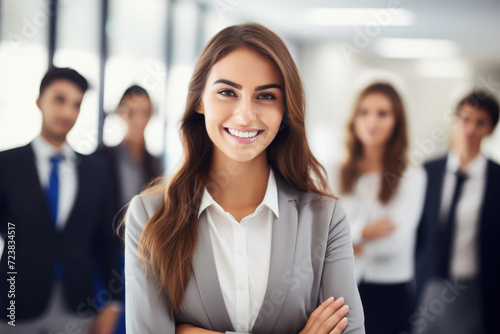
x=332, y=84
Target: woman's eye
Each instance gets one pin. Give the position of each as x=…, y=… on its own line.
x=382, y=113
x=226, y=92
x=266, y=96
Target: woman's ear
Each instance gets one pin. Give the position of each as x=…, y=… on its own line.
x=200, y=109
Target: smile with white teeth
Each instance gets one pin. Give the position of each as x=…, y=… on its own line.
x=243, y=134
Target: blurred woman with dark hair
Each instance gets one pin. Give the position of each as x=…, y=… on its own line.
x=131, y=166
x=383, y=197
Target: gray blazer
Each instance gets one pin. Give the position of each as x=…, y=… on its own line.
x=311, y=260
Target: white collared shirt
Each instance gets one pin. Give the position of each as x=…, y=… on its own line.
x=389, y=259
x=242, y=253
x=464, y=253
x=67, y=170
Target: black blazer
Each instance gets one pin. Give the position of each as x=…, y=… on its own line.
x=488, y=237
x=87, y=239
x=152, y=168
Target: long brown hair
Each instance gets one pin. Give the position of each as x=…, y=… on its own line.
x=169, y=239
x=394, y=160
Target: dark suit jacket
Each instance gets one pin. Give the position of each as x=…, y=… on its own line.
x=87, y=239
x=109, y=155
x=488, y=238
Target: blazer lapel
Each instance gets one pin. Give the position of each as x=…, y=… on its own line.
x=436, y=180
x=205, y=272
x=489, y=206
x=282, y=255
x=32, y=181
x=83, y=188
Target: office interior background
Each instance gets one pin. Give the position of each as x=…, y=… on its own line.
x=432, y=51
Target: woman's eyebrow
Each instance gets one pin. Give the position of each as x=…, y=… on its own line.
x=227, y=82
x=237, y=86
x=268, y=86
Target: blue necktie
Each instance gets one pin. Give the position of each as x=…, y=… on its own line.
x=53, y=189
x=53, y=199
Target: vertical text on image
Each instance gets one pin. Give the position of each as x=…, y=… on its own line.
x=11, y=272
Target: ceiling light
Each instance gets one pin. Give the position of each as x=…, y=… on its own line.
x=449, y=68
x=359, y=16
x=412, y=48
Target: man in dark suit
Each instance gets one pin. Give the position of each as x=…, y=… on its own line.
x=458, y=247
x=55, y=222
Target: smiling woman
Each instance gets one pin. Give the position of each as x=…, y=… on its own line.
x=245, y=236
x=242, y=110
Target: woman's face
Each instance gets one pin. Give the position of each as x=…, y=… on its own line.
x=243, y=104
x=136, y=111
x=374, y=120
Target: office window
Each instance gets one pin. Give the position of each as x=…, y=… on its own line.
x=137, y=37
x=23, y=62
x=78, y=47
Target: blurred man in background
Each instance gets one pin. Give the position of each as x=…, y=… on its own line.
x=56, y=224
x=458, y=251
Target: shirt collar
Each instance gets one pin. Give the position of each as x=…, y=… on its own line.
x=45, y=150
x=475, y=168
x=270, y=198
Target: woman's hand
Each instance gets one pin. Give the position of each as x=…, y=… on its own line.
x=378, y=229
x=105, y=321
x=189, y=329
x=329, y=317
x=358, y=249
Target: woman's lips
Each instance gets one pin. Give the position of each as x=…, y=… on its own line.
x=238, y=135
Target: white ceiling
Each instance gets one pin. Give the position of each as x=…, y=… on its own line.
x=473, y=25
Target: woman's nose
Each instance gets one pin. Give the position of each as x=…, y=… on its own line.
x=245, y=112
